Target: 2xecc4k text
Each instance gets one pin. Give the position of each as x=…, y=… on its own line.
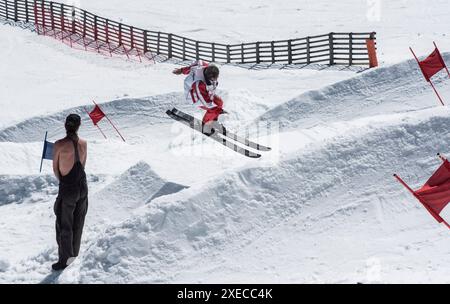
x=233, y=293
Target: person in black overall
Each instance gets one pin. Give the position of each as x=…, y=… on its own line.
x=72, y=201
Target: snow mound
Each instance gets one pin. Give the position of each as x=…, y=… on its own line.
x=395, y=88
x=132, y=115
x=26, y=189
x=132, y=189
x=125, y=113
x=167, y=189
x=4, y=265
x=174, y=236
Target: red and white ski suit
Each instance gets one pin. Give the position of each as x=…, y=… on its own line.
x=199, y=93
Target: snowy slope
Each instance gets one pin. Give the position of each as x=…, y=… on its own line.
x=169, y=205
x=329, y=190
x=399, y=87
x=309, y=195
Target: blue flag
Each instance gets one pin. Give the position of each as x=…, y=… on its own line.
x=47, y=152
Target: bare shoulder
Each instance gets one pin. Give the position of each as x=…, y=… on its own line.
x=58, y=143
x=83, y=142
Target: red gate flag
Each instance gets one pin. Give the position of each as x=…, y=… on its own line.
x=432, y=64
x=109, y=120
x=435, y=194
x=96, y=115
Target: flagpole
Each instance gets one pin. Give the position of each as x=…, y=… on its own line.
x=445, y=66
x=442, y=157
x=112, y=124
x=440, y=99
x=43, y=151
x=404, y=184
x=431, y=83
x=437, y=217
x=446, y=224
x=96, y=124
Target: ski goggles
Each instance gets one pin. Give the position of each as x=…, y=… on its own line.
x=213, y=85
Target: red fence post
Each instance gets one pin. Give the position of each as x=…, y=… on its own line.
x=372, y=51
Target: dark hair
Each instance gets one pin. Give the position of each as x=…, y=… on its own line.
x=211, y=72
x=73, y=122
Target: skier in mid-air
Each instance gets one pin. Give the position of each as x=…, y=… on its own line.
x=199, y=88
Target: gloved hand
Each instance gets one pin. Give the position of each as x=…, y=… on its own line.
x=177, y=71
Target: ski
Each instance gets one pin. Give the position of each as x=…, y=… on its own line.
x=197, y=125
x=223, y=131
